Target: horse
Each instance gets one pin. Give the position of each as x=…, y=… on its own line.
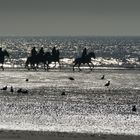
x=2, y=57
x=54, y=58
x=84, y=60
x=34, y=61
x=47, y=58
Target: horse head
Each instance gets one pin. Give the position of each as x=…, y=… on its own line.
x=92, y=54
x=6, y=53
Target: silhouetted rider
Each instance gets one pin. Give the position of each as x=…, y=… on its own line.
x=41, y=51
x=53, y=51
x=1, y=53
x=33, y=52
x=84, y=53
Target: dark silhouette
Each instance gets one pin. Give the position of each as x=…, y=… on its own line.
x=55, y=57
x=11, y=89
x=134, y=109
x=107, y=84
x=54, y=51
x=24, y=91
x=19, y=90
x=84, y=53
x=4, y=88
x=71, y=78
x=41, y=52
x=34, y=61
x=2, y=57
x=27, y=80
x=103, y=77
x=63, y=93
x=33, y=51
x=46, y=59
x=85, y=59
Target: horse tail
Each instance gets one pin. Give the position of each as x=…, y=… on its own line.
x=27, y=62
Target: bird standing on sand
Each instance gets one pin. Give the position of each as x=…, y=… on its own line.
x=63, y=93
x=107, y=84
x=11, y=90
x=134, y=109
x=4, y=88
x=19, y=90
x=22, y=91
x=103, y=77
x=27, y=80
x=71, y=78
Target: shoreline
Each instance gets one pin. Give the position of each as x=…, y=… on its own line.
x=70, y=69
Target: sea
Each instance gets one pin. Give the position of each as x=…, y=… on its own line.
x=121, y=51
x=87, y=106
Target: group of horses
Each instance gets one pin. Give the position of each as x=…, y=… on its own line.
x=47, y=58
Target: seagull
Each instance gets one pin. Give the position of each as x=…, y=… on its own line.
x=19, y=90
x=63, y=93
x=71, y=78
x=103, y=77
x=11, y=90
x=134, y=109
x=27, y=80
x=107, y=84
x=4, y=88
x=22, y=90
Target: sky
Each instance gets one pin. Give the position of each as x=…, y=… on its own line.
x=69, y=17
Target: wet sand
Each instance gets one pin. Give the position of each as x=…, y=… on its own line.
x=34, y=135
x=87, y=106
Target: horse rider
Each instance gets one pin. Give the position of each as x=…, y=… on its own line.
x=41, y=51
x=33, y=51
x=1, y=52
x=84, y=53
x=53, y=51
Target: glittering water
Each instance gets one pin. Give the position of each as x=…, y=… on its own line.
x=110, y=51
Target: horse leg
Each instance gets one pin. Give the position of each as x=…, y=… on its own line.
x=92, y=64
x=2, y=67
x=27, y=67
x=89, y=66
x=45, y=66
x=54, y=65
x=74, y=66
x=79, y=66
x=59, y=64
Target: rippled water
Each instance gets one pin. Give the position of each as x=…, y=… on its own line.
x=118, y=51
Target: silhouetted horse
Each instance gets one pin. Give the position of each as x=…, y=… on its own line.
x=34, y=61
x=84, y=60
x=54, y=58
x=2, y=57
x=45, y=59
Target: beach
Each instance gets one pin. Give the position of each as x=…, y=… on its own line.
x=87, y=110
